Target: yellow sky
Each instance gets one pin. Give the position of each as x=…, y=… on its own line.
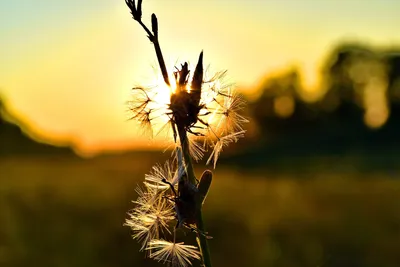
x=67, y=68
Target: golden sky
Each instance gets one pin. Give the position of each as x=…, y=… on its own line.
x=66, y=67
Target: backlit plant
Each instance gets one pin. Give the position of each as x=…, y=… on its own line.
x=198, y=115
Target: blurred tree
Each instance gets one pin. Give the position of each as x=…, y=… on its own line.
x=392, y=59
x=361, y=85
x=1, y=112
x=16, y=139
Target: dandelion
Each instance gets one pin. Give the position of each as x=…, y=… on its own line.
x=156, y=206
x=197, y=114
x=203, y=110
x=196, y=108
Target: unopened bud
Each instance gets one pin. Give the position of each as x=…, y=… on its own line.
x=197, y=80
x=154, y=24
x=204, y=184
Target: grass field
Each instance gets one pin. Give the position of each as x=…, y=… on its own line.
x=64, y=211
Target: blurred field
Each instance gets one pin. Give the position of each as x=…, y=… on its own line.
x=64, y=211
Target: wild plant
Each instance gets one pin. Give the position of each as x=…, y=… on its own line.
x=198, y=114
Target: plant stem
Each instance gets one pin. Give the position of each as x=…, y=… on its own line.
x=161, y=61
x=201, y=238
x=186, y=155
x=154, y=39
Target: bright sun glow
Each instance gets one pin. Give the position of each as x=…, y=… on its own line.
x=163, y=95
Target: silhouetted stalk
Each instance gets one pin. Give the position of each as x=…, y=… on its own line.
x=201, y=232
x=188, y=111
x=186, y=156
x=153, y=37
x=160, y=58
x=202, y=240
x=161, y=62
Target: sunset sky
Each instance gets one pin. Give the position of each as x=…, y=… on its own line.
x=66, y=67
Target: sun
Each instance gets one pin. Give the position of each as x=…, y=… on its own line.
x=163, y=95
x=164, y=91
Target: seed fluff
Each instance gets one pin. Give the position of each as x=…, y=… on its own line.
x=175, y=254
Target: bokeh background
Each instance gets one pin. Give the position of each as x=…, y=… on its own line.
x=314, y=183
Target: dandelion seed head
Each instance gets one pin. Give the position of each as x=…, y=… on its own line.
x=209, y=111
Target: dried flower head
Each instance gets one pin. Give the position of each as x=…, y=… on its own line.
x=193, y=107
x=197, y=114
x=160, y=202
x=204, y=110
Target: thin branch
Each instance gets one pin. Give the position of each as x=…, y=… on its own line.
x=201, y=239
x=153, y=37
x=149, y=34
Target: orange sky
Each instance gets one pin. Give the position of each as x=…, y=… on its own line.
x=67, y=66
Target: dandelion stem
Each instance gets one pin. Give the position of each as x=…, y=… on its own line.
x=161, y=62
x=201, y=238
x=186, y=155
x=154, y=39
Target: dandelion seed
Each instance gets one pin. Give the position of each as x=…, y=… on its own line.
x=159, y=174
x=231, y=121
x=140, y=230
x=196, y=150
x=221, y=143
x=144, y=118
x=150, y=217
x=150, y=109
x=140, y=101
x=147, y=197
x=175, y=254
